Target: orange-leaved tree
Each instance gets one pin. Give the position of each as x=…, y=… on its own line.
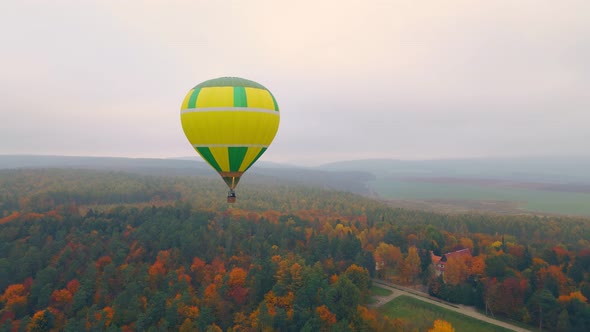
x=15, y=295
x=326, y=317
x=60, y=298
x=441, y=326
x=457, y=269
x=236, y=285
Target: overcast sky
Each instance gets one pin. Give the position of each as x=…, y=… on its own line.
x=353, y=79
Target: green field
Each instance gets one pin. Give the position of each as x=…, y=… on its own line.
x=570, y=203
x=378, y=291
x=421, y=315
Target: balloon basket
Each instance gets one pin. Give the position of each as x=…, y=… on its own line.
x=231, y=199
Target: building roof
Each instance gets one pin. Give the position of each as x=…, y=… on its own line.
x=440, y=261
x=459, y=253
x=434, y=258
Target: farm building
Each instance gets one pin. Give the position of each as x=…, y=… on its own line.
x=440, y=261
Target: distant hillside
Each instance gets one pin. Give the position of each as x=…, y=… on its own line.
x=510, y=185
x=352, y=181
x=544, y=169
x=518, y=185
x=134, y=165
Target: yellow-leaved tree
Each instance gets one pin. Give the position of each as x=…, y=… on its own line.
x=441, y=326
x=411, y=266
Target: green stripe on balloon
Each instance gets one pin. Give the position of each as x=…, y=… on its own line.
x=192, y=102
x=236, y=157
x=240, y=99
x=274, y=102
x=208, y=156
x=258, y=156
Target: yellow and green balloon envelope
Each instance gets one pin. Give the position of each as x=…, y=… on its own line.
x=230, y=121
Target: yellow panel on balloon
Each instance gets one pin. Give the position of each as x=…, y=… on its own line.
x=249, y=157
x=239, y=128
x=221, y=157
x=258, y=98
x=216, y=97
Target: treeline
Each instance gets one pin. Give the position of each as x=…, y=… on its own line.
x=85, y=250
x=41, y=190
x=174, y=268
x=44, y=190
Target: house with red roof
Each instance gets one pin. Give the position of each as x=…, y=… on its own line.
x=440, y=261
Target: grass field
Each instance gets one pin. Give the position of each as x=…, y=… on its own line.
x=378, y=291
x=421, y=315
x=570, y=203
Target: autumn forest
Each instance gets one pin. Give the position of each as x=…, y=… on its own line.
x=86, y=250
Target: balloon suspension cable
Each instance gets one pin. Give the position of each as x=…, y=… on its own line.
x=231, y=196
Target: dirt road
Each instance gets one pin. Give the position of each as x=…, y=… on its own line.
x=468, y=311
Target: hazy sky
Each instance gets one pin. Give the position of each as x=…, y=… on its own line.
x=353, y=79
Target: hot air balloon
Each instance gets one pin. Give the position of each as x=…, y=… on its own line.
x=230, y=121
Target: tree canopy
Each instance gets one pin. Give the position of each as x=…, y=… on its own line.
x=85, y=250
